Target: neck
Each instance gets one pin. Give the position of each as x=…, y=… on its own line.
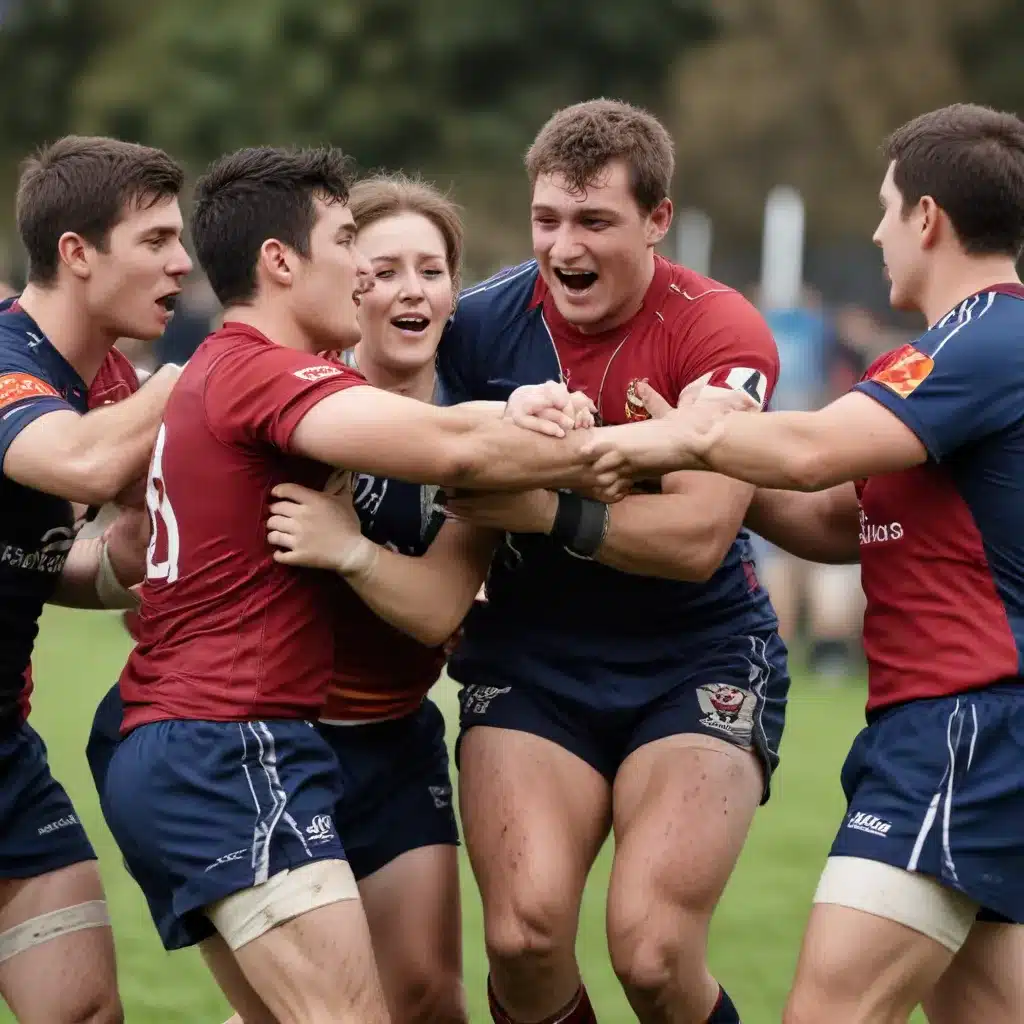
x=276, y=324
x=962, y=278
x=417, y=382
x=58, y=313
x=630, y=308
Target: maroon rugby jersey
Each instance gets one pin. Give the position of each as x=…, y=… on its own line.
x=226, y=633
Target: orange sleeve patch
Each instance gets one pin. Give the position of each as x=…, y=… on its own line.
x=14, y=387
x=906, y=372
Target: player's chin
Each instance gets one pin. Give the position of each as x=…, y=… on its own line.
x=582, y=312
x=901, y=299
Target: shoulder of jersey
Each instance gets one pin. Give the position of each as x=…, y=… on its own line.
x=13, y=340
x=988, y=320
x=503, y=296
x=690, y=293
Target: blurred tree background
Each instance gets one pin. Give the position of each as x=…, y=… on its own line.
x=758, y=92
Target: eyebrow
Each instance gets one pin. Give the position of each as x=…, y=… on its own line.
x=395, y=257
x=162, y=231
x=583, y=211
x=346, y=229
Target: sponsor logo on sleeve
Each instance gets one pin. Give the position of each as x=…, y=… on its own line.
x=15, y=387
x=315, y=373
x=906, y=372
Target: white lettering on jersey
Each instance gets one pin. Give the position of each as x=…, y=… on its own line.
x=879, y=533
x=161, y=517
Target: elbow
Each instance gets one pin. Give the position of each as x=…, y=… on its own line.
x=92, y=481
x=706, y=555
x=462, y=462
x=437, y=630
x=808, y=469
x=102, y=482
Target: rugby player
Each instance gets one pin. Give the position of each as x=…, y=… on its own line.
x=625, y=673
x=919, y=472
x=220, y=795
x=101, y=225
x=395, y=819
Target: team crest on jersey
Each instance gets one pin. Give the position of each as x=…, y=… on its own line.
x=907, y=371
x=635, y=408
x=728, y=709
x=315, y=373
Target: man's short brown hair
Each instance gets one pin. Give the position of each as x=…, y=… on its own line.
x=254, y=194
x=85, y=185
x=970, y=160
x=579, y=141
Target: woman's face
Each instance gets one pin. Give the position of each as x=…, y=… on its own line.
x=403, y=315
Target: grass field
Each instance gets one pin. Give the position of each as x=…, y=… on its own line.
x=756, y=934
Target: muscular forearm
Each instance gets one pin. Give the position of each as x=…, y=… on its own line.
x=117, y=439
x=77, y=587
x=820, y=527
x=500, y=456
x=777, y=450
x=662, y=535
x=419, y=596
x=90, y=459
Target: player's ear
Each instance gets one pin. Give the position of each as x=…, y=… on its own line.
x=276, y=261
x=73, y=251
x=930, y=214
x=659, y=220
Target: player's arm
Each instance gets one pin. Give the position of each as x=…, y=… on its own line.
x=89, y=459
x=426, y=597
x=101, y=569
x=461, y=446
x=852, y=438
x=823, y=526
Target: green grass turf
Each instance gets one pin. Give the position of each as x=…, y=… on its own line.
x=756, y=933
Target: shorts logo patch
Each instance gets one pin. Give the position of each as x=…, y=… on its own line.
x=315, y=373
x=442, y=796
x=53, y=826
x=477, y=699
x=14, y=387
x=728, y=709
x=227, y=858
x=869, y=823
x=905, y=374
x=321, y=829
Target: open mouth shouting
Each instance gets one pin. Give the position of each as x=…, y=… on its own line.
x=576, y=282
x=411, y=324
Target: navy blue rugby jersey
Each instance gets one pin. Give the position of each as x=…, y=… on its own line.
x=36, y=529
x=553, y=618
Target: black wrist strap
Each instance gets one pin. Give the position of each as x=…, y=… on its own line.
x=580, y=524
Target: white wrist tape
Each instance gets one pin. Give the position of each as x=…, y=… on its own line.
x=109, y=589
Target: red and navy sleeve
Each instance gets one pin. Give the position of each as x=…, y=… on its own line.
x=25, y=395
x=960, y=381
